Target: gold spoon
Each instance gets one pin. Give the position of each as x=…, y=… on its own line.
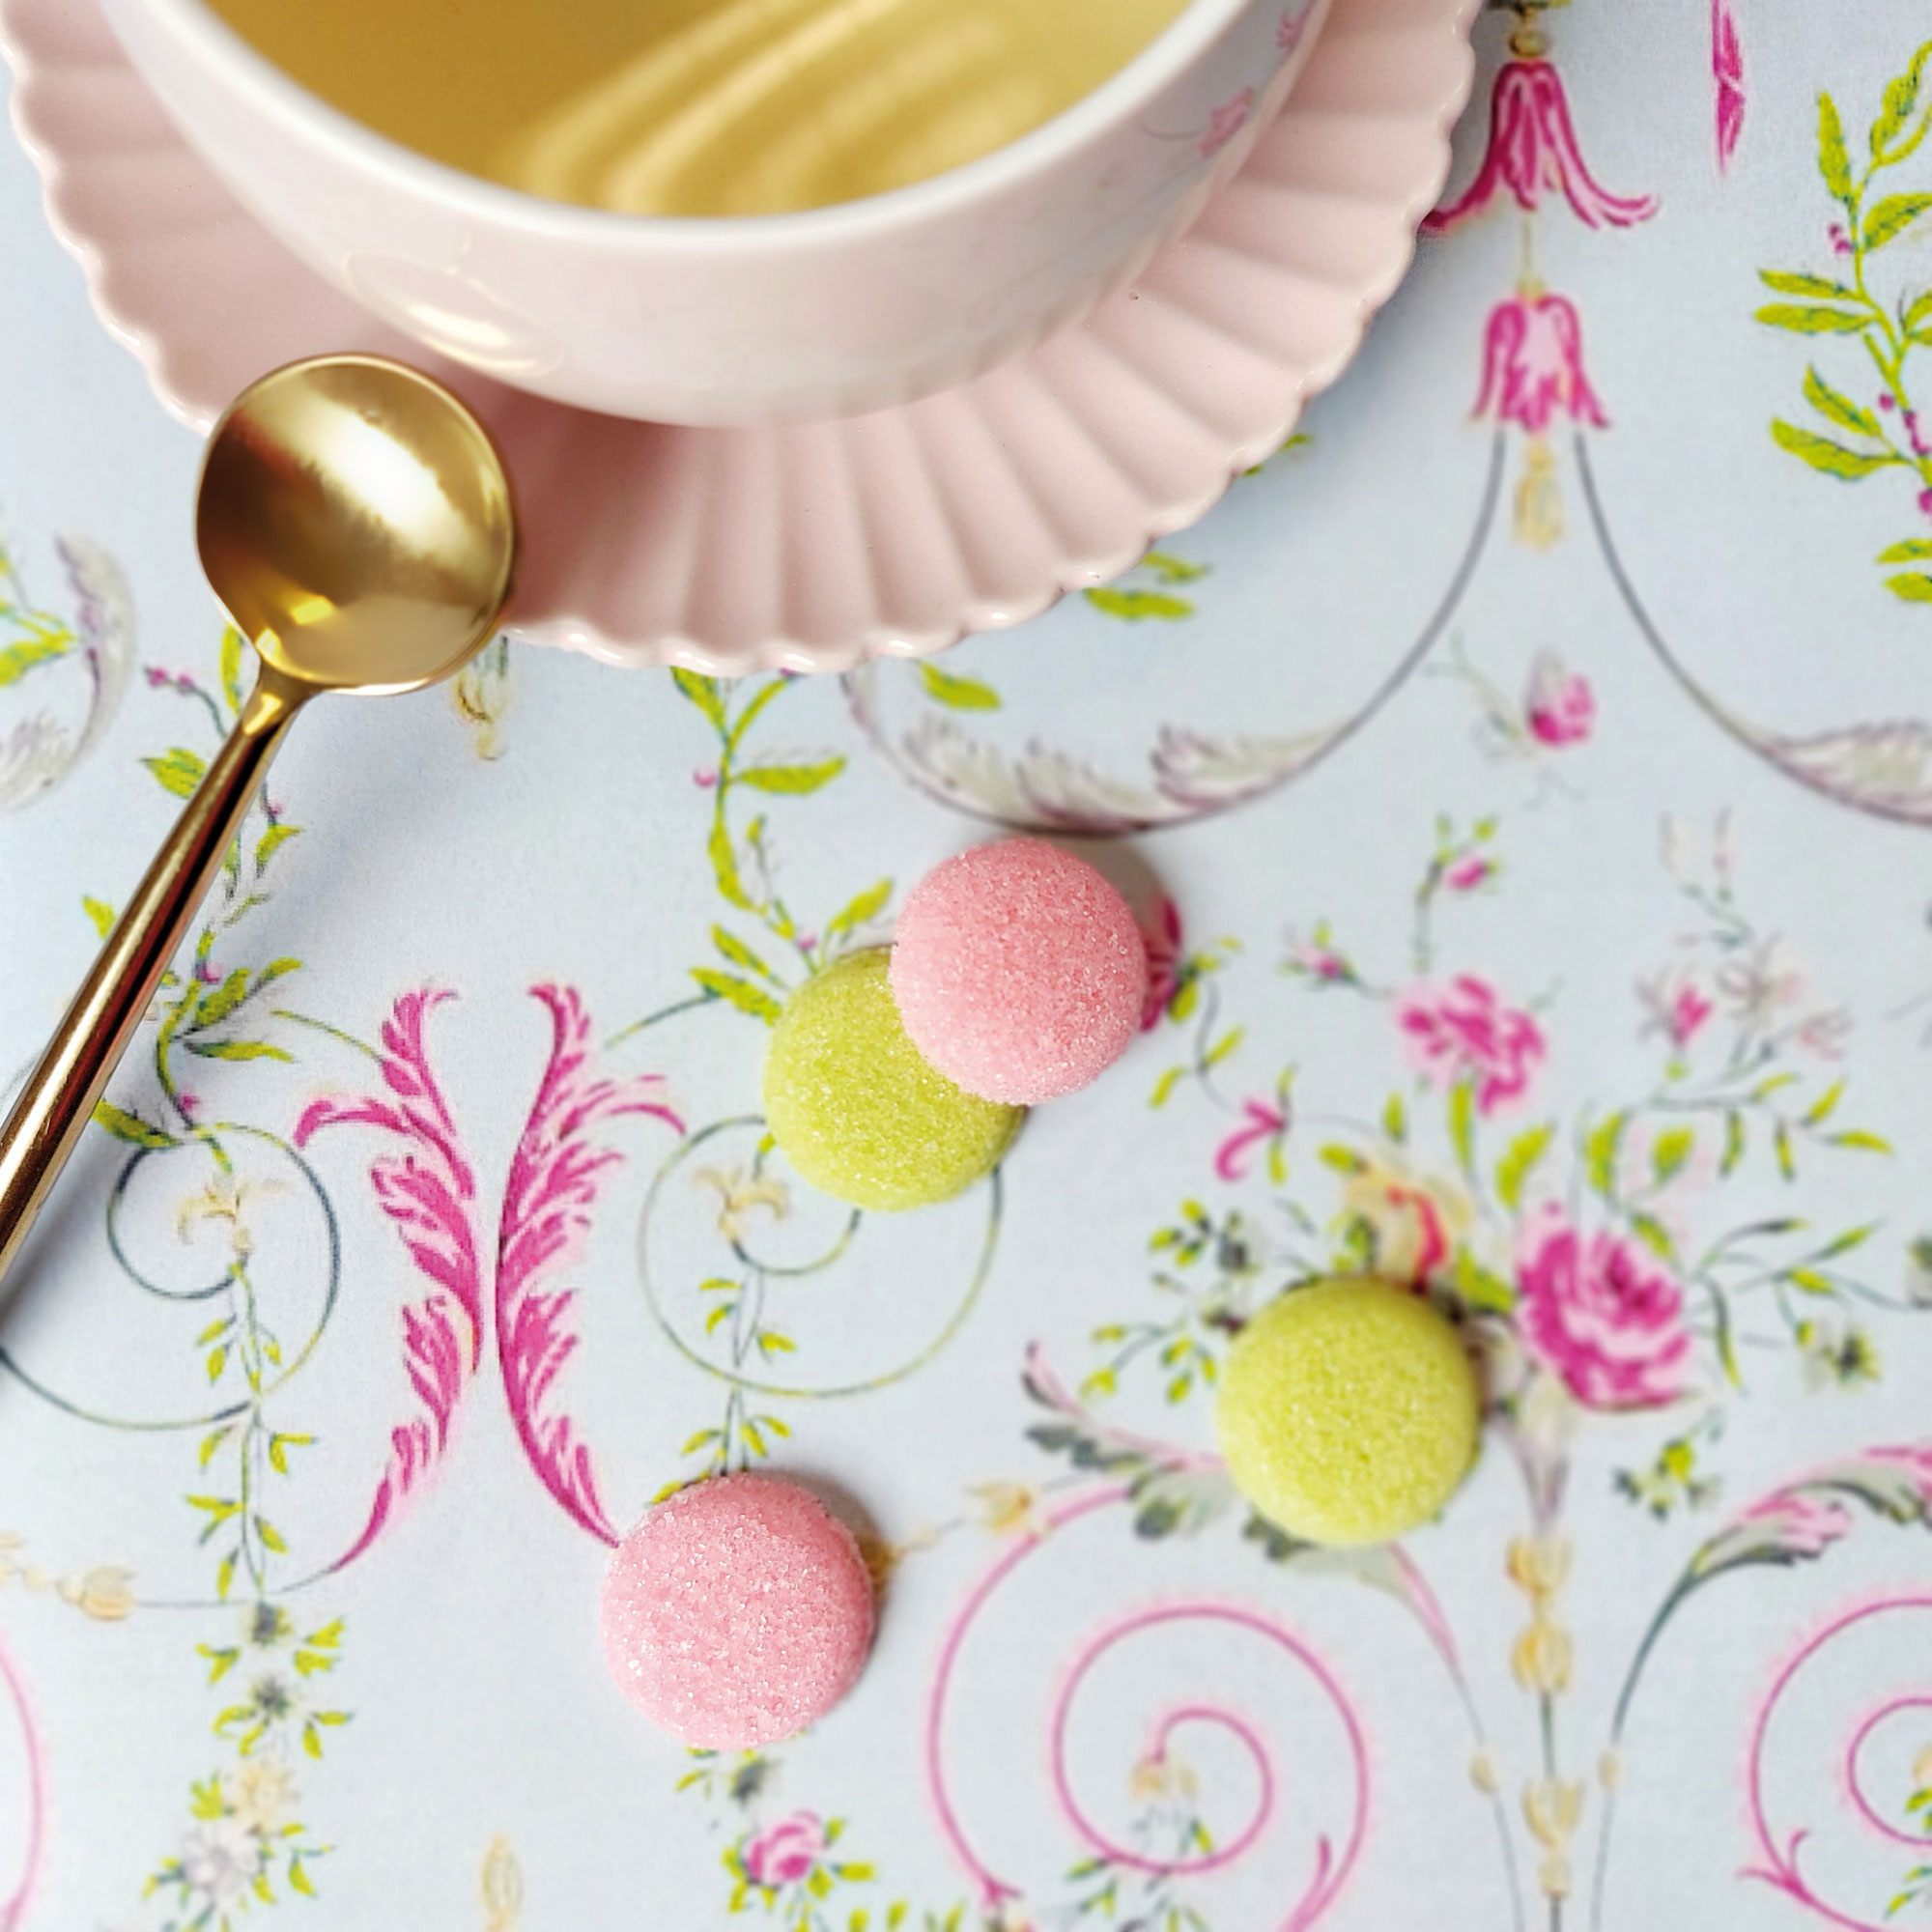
x=356, y=521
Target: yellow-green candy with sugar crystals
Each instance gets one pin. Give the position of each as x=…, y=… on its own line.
x=856, y=1109
x=1348, y=1411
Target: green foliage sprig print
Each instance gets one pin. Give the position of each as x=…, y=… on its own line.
x=1891, y=318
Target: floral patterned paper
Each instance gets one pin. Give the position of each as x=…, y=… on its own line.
x=1522, y=781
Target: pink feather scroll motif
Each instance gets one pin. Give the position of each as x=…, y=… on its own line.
x=430, y=1192
x=1727, y=78
x=554, y=1180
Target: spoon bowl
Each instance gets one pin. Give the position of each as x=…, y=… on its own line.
x=357, y=525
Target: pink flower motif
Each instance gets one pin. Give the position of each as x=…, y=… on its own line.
x=189, y=1105
x=1467, y=874
x=704, y=777
x=1532, y=152
x=1262, y=1121
x=1685, y=1016
x=1604, y=1314
x=1558, y=704
x=1727, y=71
x=1289, y=29
x=1462, y=1031
x=1227, y=121
x=1319, y=961
x=1533, y=365
x=787, y=1853
x=1807, y=1525
x=1163, y=957
x=555, y=1177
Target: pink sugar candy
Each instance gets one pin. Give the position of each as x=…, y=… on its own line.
x=1018, y=971
x=737, y=1612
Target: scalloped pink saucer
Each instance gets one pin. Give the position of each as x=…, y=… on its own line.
x=813, y=547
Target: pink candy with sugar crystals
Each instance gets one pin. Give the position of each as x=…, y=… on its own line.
x=737, y=1612
x=1018, y=971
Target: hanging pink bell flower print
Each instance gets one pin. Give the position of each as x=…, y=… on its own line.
x=1533, y=365
x=1727, y=74
x=1533, y=376
x=1533, y=152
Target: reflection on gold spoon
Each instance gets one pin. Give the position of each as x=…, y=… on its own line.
x=356, y=522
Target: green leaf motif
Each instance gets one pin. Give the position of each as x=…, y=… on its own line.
x=1172, y=569
x=1163, y=1088
x=862, y=910
x=1914, y=549
x=131, y=1128
x=1895, y=110
x=1786, y=283
x=1462, y=1124
x=1734, y=1144
x=1821, y=453
x=1395, y=1119
x=100, y=913
x=706, y=693
x=1911, y=587
x=236, y=1049
x=1810, y=318
x=1600, y=1154
x=217, y=1003
x=741, y=993
x=178, y=771
x=739, y=954
x=1136, y=606
x=1653, y=1233
x=790, y=781
x=961, y=694
x=1517, y=1161
x=1919, y=316
x=232, y=642
x=17, y=659
x=1480, y=1289
x=273, y=841
x=1670, y=1153
x=1837, y=407
x=724, y=865
x=1892, y=217
x=1834, y=162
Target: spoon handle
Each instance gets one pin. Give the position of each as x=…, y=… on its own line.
x=54, y=1106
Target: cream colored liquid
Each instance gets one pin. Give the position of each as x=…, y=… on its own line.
x=701, y=106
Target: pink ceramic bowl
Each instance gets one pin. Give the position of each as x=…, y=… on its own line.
x=745, y=320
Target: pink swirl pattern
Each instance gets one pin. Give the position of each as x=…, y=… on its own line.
x=1780, y=1850
x=1331, y=1870
x=14, y=1907
x=1854, y=1783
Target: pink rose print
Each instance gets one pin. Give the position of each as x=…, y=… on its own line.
x=787, y=1852
x=1727, y=73
x=1533, y=365
x=1462, y=1031
x=1262, y=1121
x=1532, y=152
x=1807, y=1525
x=1602, y=1312
x=1558, y=704
x=1162, y=940
x=1227, y=121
